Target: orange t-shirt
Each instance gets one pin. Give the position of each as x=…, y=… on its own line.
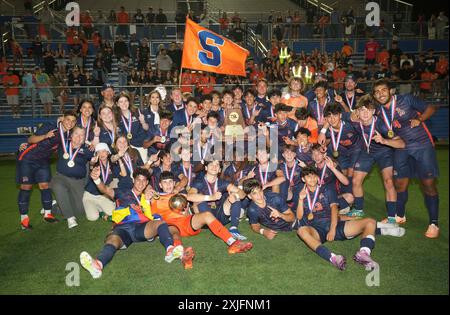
x=11, y=80
x=442, y=67
x=313, y=127
x=161, y=207
x=209, y=87
x=186, y=83
x=295, y=102
x=383, y=58
x=339, y=77
x=122, y=17
x=347, y=50
x=426, y=77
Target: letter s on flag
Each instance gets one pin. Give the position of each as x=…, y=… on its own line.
x=207, y=51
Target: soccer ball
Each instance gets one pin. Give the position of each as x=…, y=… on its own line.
x=178, y=203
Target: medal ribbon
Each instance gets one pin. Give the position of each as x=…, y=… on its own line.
x=210, y=189
x=323, y=174
x=188, y=174
x=127, y=124
x=64, y=141
x=128, y=163
x=316, y=194
x=350, y=104
x=386, y=120
x=86, y=126
x=263, y=179
x=319, y=113
x=335, y=141
x=105, y=171
x=371, y=132
x=290, y=177
x=241, y=174
x=71, y=154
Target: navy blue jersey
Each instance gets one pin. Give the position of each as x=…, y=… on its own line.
x=188, y=172
x=322, y=207
x=262, y=215
x=232, y=169
x=351, y=101
x=137, y=131
x=108, y=136
x=350, y=139
x=205, y=188
x=407, y=108
x=374, y=148
x=156, y=174
x=181, y=118
x=327, y=177
x=88, y=127
x=221, y=114
x=156, y=131
x=310, y=95
x=81, y=159
x=317, y=111
x=249, y=112
x=305, y=154
x=293, y=175
x=149, y=117
x=130, y=165
x=42, y=151
x=106, y=175
x=174, y=108
x=267, y=112
x=263, y=176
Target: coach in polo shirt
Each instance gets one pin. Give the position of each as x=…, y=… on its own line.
x=70, y=179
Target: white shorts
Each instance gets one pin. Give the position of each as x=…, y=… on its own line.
x=12, y=99
x=46, y=97
x=93, y=205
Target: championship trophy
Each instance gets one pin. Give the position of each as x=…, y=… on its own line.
x=234, y=122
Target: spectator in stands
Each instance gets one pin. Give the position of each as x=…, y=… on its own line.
x=47, y=18
x=430, y=60
x=133, y=46
x=120, y=48
x=123, y=19
x=49, y=62
x=28, y=91
x=370, y=51
x=441, y=24
x=296, y=20
x=163, y=62
x=76, y=81
x=346, y=52
x=394, y=51
x=223, y=21
x=62, y=92
x=17, y=52
x=277, y=32
x=124, y=65
x=160, y=20
x=144, y=54
x=442, y=72
x=11, y=85
x=139, y=19
x=175, y=54
x=426, y=86
x=406, y=74
x=45, y=94
x=76, y=57
x=87, y=22
x=61, y=58
x=107, y=57
x=132, y=82
x=180, y=19
x=150, y=20
x=237, y=34
x=101, y=25
x=108, y=95
x=37, y=51
x=432, y=27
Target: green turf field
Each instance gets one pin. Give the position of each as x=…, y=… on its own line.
x=34, y=262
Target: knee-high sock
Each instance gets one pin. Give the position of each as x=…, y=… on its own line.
x=235, y=213
x=359, y=203
x=402, y=199
x=221, y=232
x=164, y=235
x=23, y=201
x=432, y=203
x=391, y=207
x=107, y=254
x=342, y=203
x=46, y=199
x=368, y=243
x=323, y=252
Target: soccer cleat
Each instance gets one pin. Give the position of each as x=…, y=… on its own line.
x=72, y=222
x=239, y=247
x=363, y=258
x=390, y=220
x=50, y=218
x=354, y=213
x=339, y=262
x=385, y=224
x=25, y=224
x=344, y=211
x=91, y=265
x=236, y=234
x=432, y=232
x=400, y=220
x=173, y=252
x=188, y=257
x=393, y=231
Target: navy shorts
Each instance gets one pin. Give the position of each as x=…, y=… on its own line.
x=29, y=172
x=416, y=163
x=383, y=159
x=130, y=233
x=218, y=212
x=323, y=227
x=348, y=161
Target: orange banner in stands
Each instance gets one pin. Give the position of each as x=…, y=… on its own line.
x=205, y=50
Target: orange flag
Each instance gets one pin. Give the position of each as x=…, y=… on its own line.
x=205, y=50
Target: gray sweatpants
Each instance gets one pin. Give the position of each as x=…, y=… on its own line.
x=69, y=194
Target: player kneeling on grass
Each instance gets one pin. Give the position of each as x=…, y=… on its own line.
x=132, y=223
x=268, y=209
x=173, y=209
x=317, y=213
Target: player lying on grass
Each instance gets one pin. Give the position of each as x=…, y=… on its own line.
x=132, y=224
x=173, y=209
x=268, y=212
x=317, y=213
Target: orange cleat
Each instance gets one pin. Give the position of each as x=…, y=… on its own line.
x=25, y=224
x=50, y=218
x=188, y=257
x=239, y=247
x=432, y=232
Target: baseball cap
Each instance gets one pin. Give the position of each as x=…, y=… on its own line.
x=102, y=146
x=350, y=77
x=107, y=86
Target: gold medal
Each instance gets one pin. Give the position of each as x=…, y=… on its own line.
x=310, y=216
x=163, y=139
x=66, y=156
x=213, y=205
x=156, y=196
x=129, y=136
x=335, y=154
x=390, y=134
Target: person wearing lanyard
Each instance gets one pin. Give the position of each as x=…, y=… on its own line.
x=317, y=214
x=132, y=224
x=303, y=146
x=250, y=108
x=318, y=105
x=265, y=172
x=304, y=119
x=159, y=134
x=177, y=101
x=131, y=159
x=109, y=130
x=186, y=118
x=331, y=175
x=284, y=126
x=291, y=171
x=151, y=113
x=405, y=116
x=166, y=164
x=33, y=165
x=132, y=124
x=351, y=94
x=186, y=169
x=87, y=121
x=203, y=147
x=95, y=204
x=267, y=113
x=69, y=181
x=220, y=197
x=189, y=224
x=268, y=212
x=379, y=148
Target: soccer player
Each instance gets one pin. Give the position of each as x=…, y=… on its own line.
x=33, y=165
x=166, y=164
x=132, y=224
x=291, y=171
x=284, y=126
x=404, y=115
x=87, y=120
x=265, y=172
x=250, y=109
x=220, y=197
x=186, y=117
x=317, y=106
x=130, y=157
x=191, y=224
x=351, y=94
x=378, y=149
x=317, y=213
x=304, y=119
x=107, y=123
x=159, y=135
x=267, y=209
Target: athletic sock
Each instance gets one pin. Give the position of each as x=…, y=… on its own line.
x=221, y=232
x=46, y=199
x=164, y=235
x=402, y=199
x=432, y=204
x=235, y=213
x=323, y=252
x=367, y=243
x=23, y=201
x=391, y=207
x=107, y=254
x=342, y=203
x=359, y=203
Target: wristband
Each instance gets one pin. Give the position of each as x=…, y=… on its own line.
x=261, y=231
x=323, y=130
x=97, y=181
